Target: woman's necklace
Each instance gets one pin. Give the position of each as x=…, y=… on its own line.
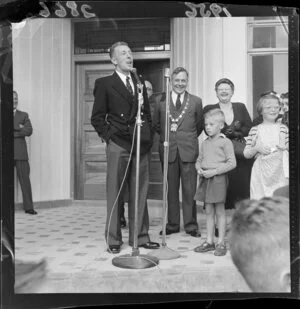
x=174, y=121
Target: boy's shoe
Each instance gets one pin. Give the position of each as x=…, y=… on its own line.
x=220, y=250
x=205, y=247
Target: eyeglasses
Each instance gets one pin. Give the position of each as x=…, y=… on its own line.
x=268, y=108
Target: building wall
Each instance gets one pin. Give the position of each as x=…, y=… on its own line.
x=42, y=78
x=210, y=49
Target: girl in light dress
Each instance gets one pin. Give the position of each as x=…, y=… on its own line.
x=268, y=143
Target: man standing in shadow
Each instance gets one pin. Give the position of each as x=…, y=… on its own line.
x=22, y=128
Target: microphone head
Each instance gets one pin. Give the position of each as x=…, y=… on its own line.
x=167, y=72
x=134, y=72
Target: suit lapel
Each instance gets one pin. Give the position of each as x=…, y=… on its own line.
x=234, y=110
x=172, y=108
x=119, y=86
x=186, y=97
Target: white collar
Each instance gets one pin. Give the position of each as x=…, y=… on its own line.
x=123, y=76
x=174, y=96
x=123, y=79
x=220, y=135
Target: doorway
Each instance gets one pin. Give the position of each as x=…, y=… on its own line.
x=90, y=158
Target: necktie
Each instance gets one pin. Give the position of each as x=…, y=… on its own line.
x=178, y=102
x=129, y=86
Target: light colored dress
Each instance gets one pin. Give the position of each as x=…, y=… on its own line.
x=269, y=172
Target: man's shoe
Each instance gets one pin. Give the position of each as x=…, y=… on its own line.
x=31, y=212
x=114, y=249
x=169, y=232
x=194, y=233
x=150, y=245
x=123, y=222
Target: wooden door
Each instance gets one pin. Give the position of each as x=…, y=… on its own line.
x=90, y=150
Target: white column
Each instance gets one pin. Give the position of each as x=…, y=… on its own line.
x=42, y=78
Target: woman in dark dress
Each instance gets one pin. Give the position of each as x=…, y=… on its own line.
x=237, y=126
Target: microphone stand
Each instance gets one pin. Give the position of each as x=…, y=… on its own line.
x=165, y=253
x=135, y=260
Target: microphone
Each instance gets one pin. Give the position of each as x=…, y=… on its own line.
x=134, y=72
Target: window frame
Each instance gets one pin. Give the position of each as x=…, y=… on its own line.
x=252, y=52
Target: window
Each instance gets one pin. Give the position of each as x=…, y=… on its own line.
x=140, y=34
x=268, y=56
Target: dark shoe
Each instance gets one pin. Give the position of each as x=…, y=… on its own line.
x=216, y=232
x=114, y=249
x=194, y=233
x=123, y=222
x=31, y=212
x=150, y=245
x=205, y=247
x=168, y=232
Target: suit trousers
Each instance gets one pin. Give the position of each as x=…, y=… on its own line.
x=185, y=171
x=23, y=171
x=117, y=161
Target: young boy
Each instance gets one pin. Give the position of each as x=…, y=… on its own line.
x=216, y=158
x=259, y=243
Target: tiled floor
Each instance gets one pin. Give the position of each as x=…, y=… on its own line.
x=72, y=241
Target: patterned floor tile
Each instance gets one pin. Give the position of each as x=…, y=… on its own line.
x=73, y=249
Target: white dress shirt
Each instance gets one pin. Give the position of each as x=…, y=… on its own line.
x=174, y=97
x=123, y=78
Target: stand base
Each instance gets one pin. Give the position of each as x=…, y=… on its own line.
x=135, y=262
x=165, y=253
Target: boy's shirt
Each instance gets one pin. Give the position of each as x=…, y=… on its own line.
x=217, y=153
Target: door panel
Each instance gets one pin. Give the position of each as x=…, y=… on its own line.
x=91, y=158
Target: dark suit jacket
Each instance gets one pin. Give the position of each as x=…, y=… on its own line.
x=114, y=113
x=20, y=146
x=240, y=113
x=189, y=128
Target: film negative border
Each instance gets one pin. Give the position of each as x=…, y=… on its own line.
x=127, y=8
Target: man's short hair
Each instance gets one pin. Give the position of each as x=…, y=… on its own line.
x=179, y=70
x=259, y=241
x=216, y=113
x=113, y=47
x=284, y=95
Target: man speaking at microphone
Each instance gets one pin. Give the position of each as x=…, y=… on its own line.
x=113, y=117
